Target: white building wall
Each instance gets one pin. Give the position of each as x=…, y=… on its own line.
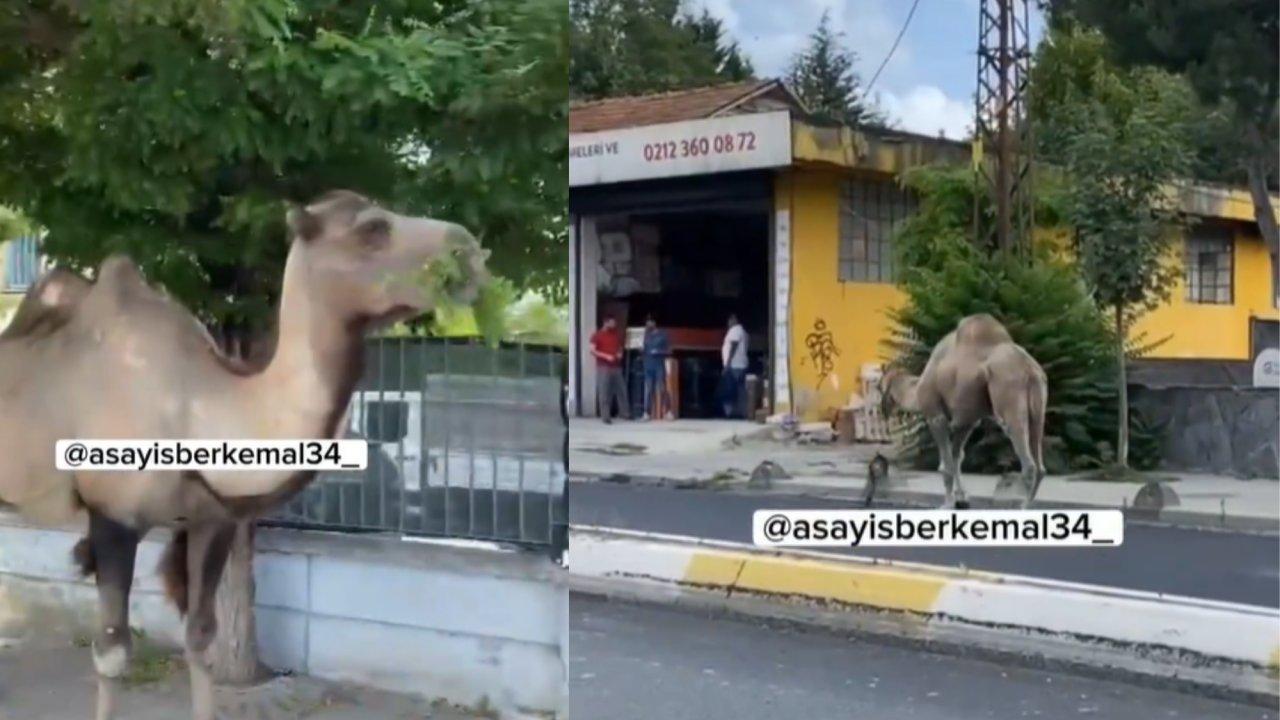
x=467, y=622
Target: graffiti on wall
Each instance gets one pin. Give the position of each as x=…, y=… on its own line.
x=821, y=343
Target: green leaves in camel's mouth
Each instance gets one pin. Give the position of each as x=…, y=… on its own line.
x=450, y=283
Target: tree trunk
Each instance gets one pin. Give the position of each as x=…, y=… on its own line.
x=1122, y=388
x=234, y=653
x=1263, y=212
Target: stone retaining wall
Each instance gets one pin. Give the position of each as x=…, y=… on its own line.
x=1227, y=430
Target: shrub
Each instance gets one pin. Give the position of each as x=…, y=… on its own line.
x=1046, y=308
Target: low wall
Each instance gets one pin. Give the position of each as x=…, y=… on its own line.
x=470, y=623
x=1227, y=430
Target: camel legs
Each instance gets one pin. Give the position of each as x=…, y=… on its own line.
x=1030, y=469
x=951, y=441
x=1010, y=406
x=114, y=549
x=207, y=548
x=959, y=437
x=940, y=428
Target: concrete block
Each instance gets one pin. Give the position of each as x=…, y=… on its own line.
x=282, y=580
x=1155, y=496
x=455, y=603
x=282, y=638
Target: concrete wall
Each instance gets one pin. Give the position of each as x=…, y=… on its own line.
x=467, y=622
x=854, y=312
x=1215, y=429
x=1218, y=332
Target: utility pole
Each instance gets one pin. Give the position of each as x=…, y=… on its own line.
x=1002, y=127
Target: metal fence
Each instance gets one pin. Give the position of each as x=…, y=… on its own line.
x=465, y=441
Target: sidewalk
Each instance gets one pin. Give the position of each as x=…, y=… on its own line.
x=48, y=679
x=722, y=455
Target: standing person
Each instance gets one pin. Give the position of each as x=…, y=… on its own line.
x=734, y=356
x=657, y=348
x=606, y=346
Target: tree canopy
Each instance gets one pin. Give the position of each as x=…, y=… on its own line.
x=633, y=47
x=177, y=130
x=823, y=76
x=1123, y=136
x=1229, y=50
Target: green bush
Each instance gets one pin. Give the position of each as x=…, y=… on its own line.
x=1046, y=308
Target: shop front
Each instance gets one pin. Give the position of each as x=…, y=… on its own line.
x=676, y=222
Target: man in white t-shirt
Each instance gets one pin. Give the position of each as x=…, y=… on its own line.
x=733, y=354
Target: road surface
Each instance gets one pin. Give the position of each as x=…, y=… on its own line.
x=638, y=662
x=1219, y=565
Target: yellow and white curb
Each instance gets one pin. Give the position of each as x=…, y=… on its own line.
x=1215, y=630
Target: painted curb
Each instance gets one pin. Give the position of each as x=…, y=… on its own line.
x=1213, y=630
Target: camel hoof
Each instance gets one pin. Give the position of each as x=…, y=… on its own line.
x=962, y=504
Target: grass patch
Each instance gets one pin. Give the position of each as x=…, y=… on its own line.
x=150, y=663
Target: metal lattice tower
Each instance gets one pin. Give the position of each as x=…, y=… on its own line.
x=1002, y=131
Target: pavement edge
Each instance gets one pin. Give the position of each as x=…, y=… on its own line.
x=1200, y=641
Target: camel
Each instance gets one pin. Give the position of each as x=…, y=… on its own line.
x=116, y=359
x=976, y=371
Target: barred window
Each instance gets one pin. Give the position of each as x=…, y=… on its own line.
x=870, y=212
x=1209, y=264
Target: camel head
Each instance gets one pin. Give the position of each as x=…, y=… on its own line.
x=364, y=262
x=889, y=403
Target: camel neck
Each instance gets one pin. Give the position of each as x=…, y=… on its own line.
x=318, y=359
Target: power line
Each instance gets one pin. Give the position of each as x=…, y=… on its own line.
x=892, y=49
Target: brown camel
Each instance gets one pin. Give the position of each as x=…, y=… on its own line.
x=115, y=359
x=976, y=371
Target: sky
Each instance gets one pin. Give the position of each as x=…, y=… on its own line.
x=927, y=85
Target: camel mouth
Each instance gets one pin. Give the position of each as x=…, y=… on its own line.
x=397, y=313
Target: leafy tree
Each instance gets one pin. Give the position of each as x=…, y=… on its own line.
x=633, y=47
x=823, y=76
x=1229, y=50
x=1040, y=299
x=709, y=32
x=1123, y=137
x=12, y=224
x=175, y=131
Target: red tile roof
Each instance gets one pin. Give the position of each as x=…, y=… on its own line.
x=674, y=106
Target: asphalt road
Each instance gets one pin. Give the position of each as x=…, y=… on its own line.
x=1219, y=565
x=636, y=662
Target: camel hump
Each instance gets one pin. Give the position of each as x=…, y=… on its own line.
x=48, y=304
x=981, y=330
x=120, y=284
x=120, y=273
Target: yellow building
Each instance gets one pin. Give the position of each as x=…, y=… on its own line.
x=692, y=205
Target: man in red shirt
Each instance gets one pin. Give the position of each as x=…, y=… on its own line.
x=606, y=346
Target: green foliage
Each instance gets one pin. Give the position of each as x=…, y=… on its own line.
x=12, y=224
x=633, y=47
x=499, y=314
x=1228, y=49
x=1229, y=52
x=1047, y=310
x=823, y=76
x=533, y=318
x=1122, y=137
x=176, y=130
